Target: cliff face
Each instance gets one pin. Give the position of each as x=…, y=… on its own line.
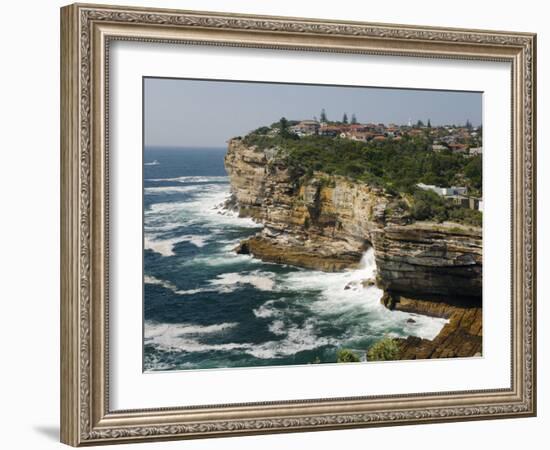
x=429, y=259
x=328, y=222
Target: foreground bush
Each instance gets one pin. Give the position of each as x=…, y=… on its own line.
x=344, y=356
x=383, y=350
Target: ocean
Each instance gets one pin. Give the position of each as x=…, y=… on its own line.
x=207, y=307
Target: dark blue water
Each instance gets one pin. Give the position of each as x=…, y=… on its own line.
x=207, y=307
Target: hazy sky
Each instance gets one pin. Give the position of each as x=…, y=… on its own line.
x=179, y=112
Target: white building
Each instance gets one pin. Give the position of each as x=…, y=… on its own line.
x=306, y=128
x=444, y=191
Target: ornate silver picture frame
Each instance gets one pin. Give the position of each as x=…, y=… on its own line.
x=87, y=33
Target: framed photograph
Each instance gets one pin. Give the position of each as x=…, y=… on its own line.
x=278, y=224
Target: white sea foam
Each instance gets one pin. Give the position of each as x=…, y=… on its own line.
x=186, y=338
x=266, y=310
x=204, y=206
x=224, y=259
x=152, y=163
x=297, y=339
x=182, y=336
x=194, y=179
x=165, y=247
x=277, y=327
x=229, y=245
x=153, y=329
x=342, y=295
x=153, y=280
x=156, y=365
x=264, y=281
x=171, y=189
x=167, y=285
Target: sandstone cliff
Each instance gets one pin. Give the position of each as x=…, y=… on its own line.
x=327, y=222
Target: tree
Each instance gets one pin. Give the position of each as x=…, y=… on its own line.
x=323, y=116
x=283, y=125
x=345, y=118
x=429, y=123
x=419, y=124
x=284, y=130
x=353, y=119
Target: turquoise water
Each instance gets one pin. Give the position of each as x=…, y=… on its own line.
x=207, y=307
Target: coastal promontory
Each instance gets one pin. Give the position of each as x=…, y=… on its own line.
x=324, y=201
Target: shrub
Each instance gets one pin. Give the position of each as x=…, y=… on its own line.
x=383, y=350
x=345, y=355
x=467, y=216
x=428, y=205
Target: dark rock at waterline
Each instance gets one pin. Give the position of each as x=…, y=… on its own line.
x=411, y=320
x=460, y=337
x=368, y=282
x=242, y=249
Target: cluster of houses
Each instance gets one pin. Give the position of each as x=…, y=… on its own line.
x=355, y=131
x=458, y=194
x=461, y=140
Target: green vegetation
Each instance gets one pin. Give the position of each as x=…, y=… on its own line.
x=345, y=355
x=394, y=165
x=473, y=172
x=383, y=350
x=427, y=205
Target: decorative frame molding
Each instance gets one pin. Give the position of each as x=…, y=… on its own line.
x=86, y=31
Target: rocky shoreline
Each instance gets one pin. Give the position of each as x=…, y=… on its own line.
x=461, y=337
x=328, y=222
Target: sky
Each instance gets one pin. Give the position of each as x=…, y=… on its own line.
x=199, y=113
